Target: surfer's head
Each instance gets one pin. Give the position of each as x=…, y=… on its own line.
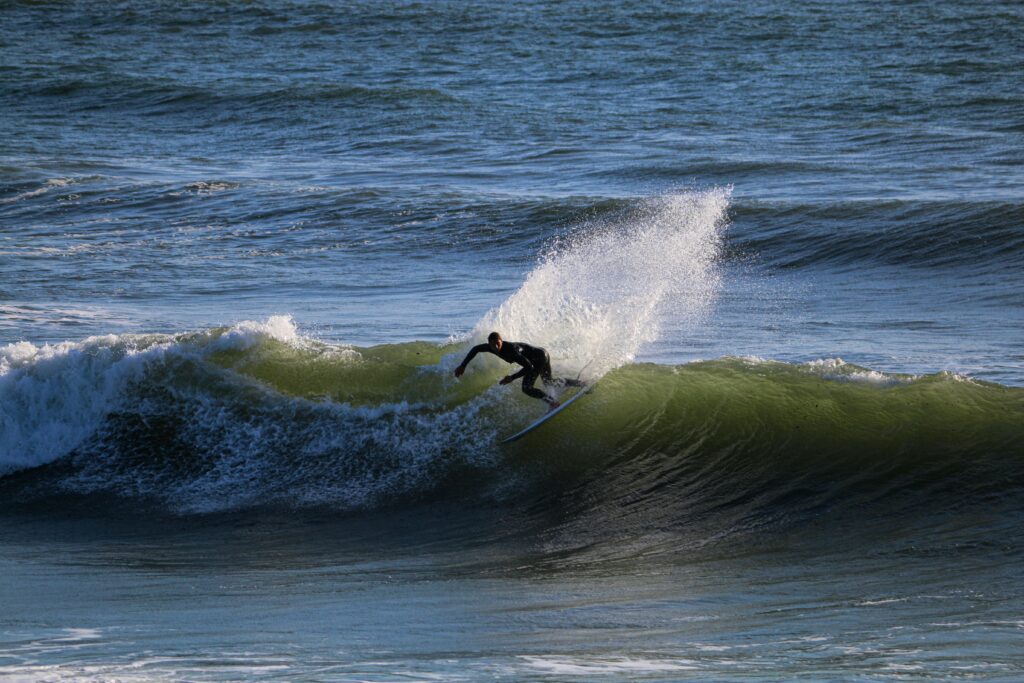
x=494, y=341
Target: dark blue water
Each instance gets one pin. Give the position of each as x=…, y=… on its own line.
x=243, y=245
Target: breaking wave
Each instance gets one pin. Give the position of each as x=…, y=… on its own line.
x=257, y=415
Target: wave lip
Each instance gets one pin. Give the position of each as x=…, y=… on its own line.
x=54, y=397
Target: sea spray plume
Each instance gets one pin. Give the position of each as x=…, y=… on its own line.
x=600, y=294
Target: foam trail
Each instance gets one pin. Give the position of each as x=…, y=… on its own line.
x=598, y=296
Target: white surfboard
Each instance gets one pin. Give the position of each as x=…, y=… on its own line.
x=548, y=415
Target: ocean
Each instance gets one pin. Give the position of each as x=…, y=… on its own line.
x=244, y=246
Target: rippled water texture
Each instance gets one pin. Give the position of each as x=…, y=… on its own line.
x=244, y=245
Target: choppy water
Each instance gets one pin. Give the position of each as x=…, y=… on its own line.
x=242, y=247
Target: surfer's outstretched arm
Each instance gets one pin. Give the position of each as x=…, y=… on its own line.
x=479, y=348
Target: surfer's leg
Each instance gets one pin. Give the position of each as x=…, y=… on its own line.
x=560, y=382
x=549, y=380
x=530, y=390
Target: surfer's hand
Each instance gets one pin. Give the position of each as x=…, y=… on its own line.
x=505, y=380
x=459, y=370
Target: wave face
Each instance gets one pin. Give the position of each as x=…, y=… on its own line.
x=257, y=415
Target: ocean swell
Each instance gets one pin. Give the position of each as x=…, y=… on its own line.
x=977, y=236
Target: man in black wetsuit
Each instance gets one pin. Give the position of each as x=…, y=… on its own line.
x=535, y=361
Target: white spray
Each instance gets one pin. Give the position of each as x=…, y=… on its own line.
x=598, y=296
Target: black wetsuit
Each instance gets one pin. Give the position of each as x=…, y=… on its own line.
x=535, y=361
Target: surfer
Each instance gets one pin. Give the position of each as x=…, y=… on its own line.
x=535, y=361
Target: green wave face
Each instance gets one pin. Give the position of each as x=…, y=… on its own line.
x=704, y=428
x=827, y=408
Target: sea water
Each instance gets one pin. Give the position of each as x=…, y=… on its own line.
x=244, y=246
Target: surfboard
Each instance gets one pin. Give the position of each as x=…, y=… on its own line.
x=548, y=415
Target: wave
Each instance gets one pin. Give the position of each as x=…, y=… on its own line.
x=978, y=237
x=257, y=415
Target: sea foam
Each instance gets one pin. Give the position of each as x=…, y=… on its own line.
x=54, y=396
